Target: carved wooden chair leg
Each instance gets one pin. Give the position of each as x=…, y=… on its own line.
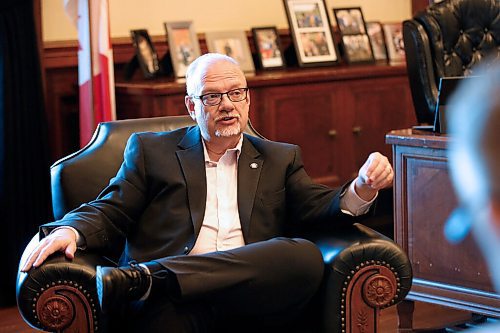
x=405, y=316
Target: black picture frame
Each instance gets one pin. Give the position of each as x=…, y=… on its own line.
x=268, y=48
x=377, y=38
x=355, y=40
x=145, y=53
x=350, y=20
x=311, y=33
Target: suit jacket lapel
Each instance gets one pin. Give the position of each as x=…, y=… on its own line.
x=249, y=167
x=192, y=162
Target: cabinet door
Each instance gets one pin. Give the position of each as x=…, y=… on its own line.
x=301, y=115
x=377, y=106
x=145, y=106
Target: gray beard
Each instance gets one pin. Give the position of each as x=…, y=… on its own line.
x=228, y=131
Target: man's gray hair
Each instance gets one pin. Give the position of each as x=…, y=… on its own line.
x=198, y=67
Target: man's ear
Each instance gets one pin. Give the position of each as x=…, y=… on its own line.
x=188, y=100
x=248, y=97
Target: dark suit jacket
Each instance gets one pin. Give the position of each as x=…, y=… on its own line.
x=157, y=199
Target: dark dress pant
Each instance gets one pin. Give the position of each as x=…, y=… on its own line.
x=263, y=284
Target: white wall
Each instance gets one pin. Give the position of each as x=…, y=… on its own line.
x=206, y=15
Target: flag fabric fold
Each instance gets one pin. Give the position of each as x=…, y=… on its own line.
x=95, y=64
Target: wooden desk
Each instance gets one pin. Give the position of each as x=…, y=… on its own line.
x=448, y=274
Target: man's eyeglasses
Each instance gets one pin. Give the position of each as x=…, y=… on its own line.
x=234, y=95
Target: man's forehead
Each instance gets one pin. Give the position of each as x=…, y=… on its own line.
x=217, y=75
x=223, y=68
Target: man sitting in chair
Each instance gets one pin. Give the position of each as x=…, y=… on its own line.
x=204, y=210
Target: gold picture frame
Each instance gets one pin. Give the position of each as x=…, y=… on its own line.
x=183, y=45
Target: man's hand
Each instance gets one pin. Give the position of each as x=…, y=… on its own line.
x=374, y=175
x=62, y=239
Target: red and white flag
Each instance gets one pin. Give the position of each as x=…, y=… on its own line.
x=95, y=64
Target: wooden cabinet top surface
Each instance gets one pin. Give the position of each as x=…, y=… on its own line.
x=289, y=76
x=417, y=138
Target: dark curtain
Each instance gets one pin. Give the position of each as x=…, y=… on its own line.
x=24, y=155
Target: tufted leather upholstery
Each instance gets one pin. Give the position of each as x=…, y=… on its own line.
x=448, y=39
x=364, y=271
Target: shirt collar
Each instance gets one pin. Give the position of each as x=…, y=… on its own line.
x=237, y=149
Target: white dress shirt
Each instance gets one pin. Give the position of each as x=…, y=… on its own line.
x=221, y=227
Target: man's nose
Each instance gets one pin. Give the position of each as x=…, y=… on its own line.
x=226, y=102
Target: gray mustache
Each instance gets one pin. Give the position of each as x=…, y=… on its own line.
x=237, y=116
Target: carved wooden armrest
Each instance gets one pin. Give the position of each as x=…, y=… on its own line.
x=60, y=295
x=365, y=272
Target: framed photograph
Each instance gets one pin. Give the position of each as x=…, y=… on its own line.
x=183, y=45
x=145, y=53
x=311, y=32
x=355, y=39
x=350, y=20
x=268, y=47
x=376, y=34
x=233, y=44
x=394, y=40
x=357, y=48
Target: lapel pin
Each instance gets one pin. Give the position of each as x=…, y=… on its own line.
x=254, y=165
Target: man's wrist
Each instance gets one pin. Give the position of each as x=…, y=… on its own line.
x=352, y=204
x=78, y=237
x=363, y=190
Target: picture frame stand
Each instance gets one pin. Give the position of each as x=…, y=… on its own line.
x=130, y=68
x=166, y=68
x=290, y=54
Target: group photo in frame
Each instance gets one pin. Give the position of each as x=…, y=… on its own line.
x=393, y=33
x=233, y=44
x=355, y=39
x=183, y=45
x=311, y=32
x=145, y=53
x=350, y=21
x=268, y=47
x=376, y=34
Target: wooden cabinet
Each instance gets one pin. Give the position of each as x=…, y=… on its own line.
x=449, y=274
x=338, y=115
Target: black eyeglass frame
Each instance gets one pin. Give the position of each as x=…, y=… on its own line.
x=244, y=96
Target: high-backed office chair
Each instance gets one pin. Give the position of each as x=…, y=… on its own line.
x=365, y=270
x=447, y=39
